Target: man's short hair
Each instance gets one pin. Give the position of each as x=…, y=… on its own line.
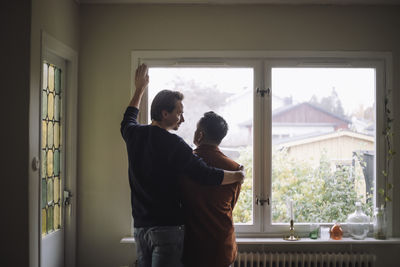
x=214, y=127
x=164, y=100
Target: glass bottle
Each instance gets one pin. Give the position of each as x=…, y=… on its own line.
x=358, y=223
x=380, y=224
x=336, y=232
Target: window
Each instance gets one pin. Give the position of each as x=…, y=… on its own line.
x=51, y=148
x=304, y=126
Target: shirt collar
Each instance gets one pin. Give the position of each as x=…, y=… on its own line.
x=207, y=147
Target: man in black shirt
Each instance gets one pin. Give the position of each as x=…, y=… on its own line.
x=156, y=159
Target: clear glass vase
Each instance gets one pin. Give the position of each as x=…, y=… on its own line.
x=358, y=223
x=380, y=223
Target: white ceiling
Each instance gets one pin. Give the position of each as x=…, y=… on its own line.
x=230, y=2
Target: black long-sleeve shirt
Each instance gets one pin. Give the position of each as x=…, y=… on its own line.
x=156, y=159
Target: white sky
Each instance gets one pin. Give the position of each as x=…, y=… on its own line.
x=354, y=87
x=226, y=79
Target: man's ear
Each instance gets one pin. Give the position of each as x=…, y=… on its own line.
x=164, y=114
x=200, y=136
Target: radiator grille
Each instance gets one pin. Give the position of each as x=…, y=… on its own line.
x=263, y=259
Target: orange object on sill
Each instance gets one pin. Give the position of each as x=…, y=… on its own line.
x=336, y=232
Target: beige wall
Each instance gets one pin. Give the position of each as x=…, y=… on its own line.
x=108, y=35
x=60, y=19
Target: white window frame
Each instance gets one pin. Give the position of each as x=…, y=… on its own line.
x=262, y=61
x=321, y=62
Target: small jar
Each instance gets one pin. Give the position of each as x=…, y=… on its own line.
x=336, y=232
x=314, y=229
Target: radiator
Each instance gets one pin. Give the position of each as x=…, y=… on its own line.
x=265, y=259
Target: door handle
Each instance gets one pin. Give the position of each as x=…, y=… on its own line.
x=261, y=201
x=67, y=202
x=67, y=197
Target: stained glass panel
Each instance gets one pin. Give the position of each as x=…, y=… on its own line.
x=44, y=105
x=51, y=78
x=56, y=190
x=58, y=80
x=45, y=75
x=57, y=108
x=50, y=163
x=56, y=162
x=44, y=164
x=51, y=201
x=44, y=134
x=50, y=219
x=44, y=193
x=50, y=187
x=50, y=132
x=50, y=106
x=56, y=135
x=44, y=219
x=57, y=216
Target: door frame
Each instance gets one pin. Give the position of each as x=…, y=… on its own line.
x=54, y=46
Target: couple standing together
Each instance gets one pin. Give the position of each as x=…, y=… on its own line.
x=182, y=200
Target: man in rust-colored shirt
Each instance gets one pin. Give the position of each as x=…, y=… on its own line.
x=209, y=233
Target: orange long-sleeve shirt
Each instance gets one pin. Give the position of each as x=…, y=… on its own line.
x=209, y=232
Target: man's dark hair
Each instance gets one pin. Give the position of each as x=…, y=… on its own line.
x=213, y=126
x=164, y=100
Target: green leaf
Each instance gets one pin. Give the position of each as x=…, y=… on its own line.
x=381, y=191
x=388, y=199
x=390, y=186
x=384, y=173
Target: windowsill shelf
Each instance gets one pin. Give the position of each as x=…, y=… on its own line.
x=263, y=241
x=345, y=240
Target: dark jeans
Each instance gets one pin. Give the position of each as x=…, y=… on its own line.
x=159, y=246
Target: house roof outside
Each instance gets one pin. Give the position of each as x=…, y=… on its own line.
x=316, y=137
x=286, y=109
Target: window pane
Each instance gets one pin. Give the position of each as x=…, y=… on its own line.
x=56, y=162
x=43, y=169
x=50, y=163
x=50, y=219
x=51, y=78
x=45, y=76
x=50, y=106
x=57, y=189
x=44, y=224
x=229, y=93
x=51, y=150
x=44, y=104
x=323, y=141
x=44, y=134
x=57, y=80
x=56, y=135
x=57, y=216
x=44, y=193
x=50, y=133
x=57, y=108
x=50, y=188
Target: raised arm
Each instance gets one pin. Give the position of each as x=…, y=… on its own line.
x=141, y=83
x=129, y=121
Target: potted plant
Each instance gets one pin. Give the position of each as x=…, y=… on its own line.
x=380, y=219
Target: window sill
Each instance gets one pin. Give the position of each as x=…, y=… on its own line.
x=345, y=240
x=255, y=240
